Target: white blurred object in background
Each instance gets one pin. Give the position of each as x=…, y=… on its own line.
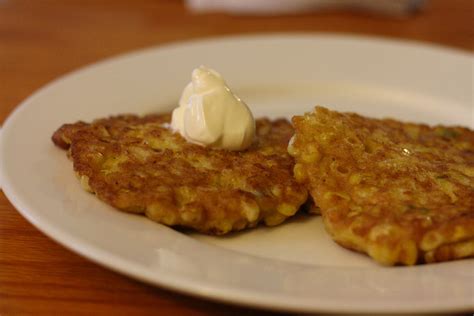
x=274, y=7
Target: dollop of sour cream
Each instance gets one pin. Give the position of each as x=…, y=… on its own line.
x=210, y=114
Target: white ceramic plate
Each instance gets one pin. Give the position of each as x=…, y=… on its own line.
x=294, y=267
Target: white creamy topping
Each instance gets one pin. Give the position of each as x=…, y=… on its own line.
x=209, y=114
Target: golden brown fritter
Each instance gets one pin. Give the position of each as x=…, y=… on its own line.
x=138, y=165
x=402, y=193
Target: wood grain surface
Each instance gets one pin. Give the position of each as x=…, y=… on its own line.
x=43, y=39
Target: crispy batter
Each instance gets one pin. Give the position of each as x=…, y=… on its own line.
x=138, y=165
x=402, y=193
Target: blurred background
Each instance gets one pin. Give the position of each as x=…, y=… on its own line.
x=43, y=39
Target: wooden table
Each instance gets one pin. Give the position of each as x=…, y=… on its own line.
x=43, y=39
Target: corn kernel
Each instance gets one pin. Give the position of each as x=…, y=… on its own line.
x=310, y=157
x=159, y=213
x=355, y=178
x=383, y=254
x=274, y=219
x=291, y=147
x=408, y=253
x=191, y=215
x=287, y=209
x=299, y=173
x=85, y=183
x=431, y=240
x=276, y=191
x=250, y=210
